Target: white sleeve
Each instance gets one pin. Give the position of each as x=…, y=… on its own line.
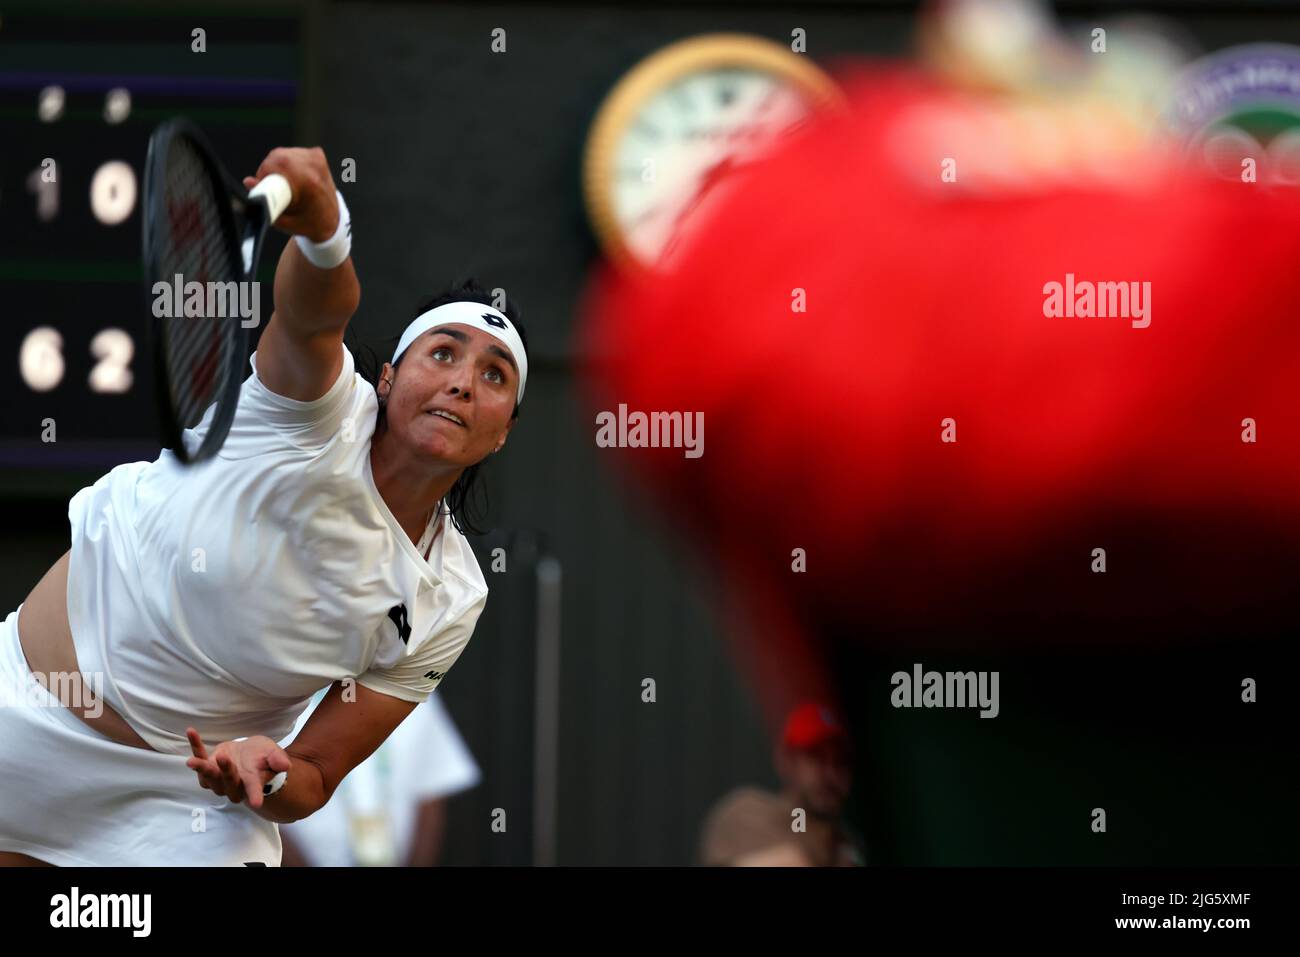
x=415, y=676
x=307, y=424
x=439, y=762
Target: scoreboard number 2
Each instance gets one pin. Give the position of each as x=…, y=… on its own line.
x=114, y=349
x=41, y=363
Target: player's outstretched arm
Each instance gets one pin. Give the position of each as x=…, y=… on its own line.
x=341, y=733
x=300, y=353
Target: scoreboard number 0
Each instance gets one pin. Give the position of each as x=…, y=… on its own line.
x=112, y=192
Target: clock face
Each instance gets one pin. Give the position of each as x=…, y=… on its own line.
x=673, y=156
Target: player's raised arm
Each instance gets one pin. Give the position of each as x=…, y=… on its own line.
x=300, y=353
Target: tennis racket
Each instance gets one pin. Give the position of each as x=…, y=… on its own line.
x=202, y=225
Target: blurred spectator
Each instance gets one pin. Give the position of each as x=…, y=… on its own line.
x=753, y=827
x=391, y=809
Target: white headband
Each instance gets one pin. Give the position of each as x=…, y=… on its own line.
x=470, y=314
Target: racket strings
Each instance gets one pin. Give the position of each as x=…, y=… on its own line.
x=195, y=246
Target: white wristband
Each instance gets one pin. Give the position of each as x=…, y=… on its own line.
x=334, y=250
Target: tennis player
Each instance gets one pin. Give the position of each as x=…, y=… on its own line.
x=199, y=609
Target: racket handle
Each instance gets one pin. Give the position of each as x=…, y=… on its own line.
x=275, y=189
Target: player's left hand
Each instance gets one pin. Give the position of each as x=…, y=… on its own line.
x=237, y=769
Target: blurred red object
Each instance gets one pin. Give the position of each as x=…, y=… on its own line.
x=925, y=302
x=810, y=724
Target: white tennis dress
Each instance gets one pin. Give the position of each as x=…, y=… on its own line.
x=223, y=596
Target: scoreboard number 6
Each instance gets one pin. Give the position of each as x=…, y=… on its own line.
x=41, y=363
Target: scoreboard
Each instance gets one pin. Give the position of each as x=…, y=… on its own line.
x=80, y=93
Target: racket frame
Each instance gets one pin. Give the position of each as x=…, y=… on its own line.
x=232, y=197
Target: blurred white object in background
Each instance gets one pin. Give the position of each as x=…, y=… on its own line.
x=370, y=819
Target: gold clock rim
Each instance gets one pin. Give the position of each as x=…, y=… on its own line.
x=652, y=74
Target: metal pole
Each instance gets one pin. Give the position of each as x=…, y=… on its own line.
x=546, y=725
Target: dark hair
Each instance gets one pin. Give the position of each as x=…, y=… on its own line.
x=369, y=364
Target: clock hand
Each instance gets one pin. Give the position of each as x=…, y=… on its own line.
x=711, y=177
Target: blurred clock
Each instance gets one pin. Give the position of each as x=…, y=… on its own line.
x=666, y=137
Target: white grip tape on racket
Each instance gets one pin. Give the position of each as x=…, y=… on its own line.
x=275, y=188
x=275, y=784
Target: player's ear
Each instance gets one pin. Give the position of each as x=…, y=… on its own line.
x=504, y=435
x=385, y=383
